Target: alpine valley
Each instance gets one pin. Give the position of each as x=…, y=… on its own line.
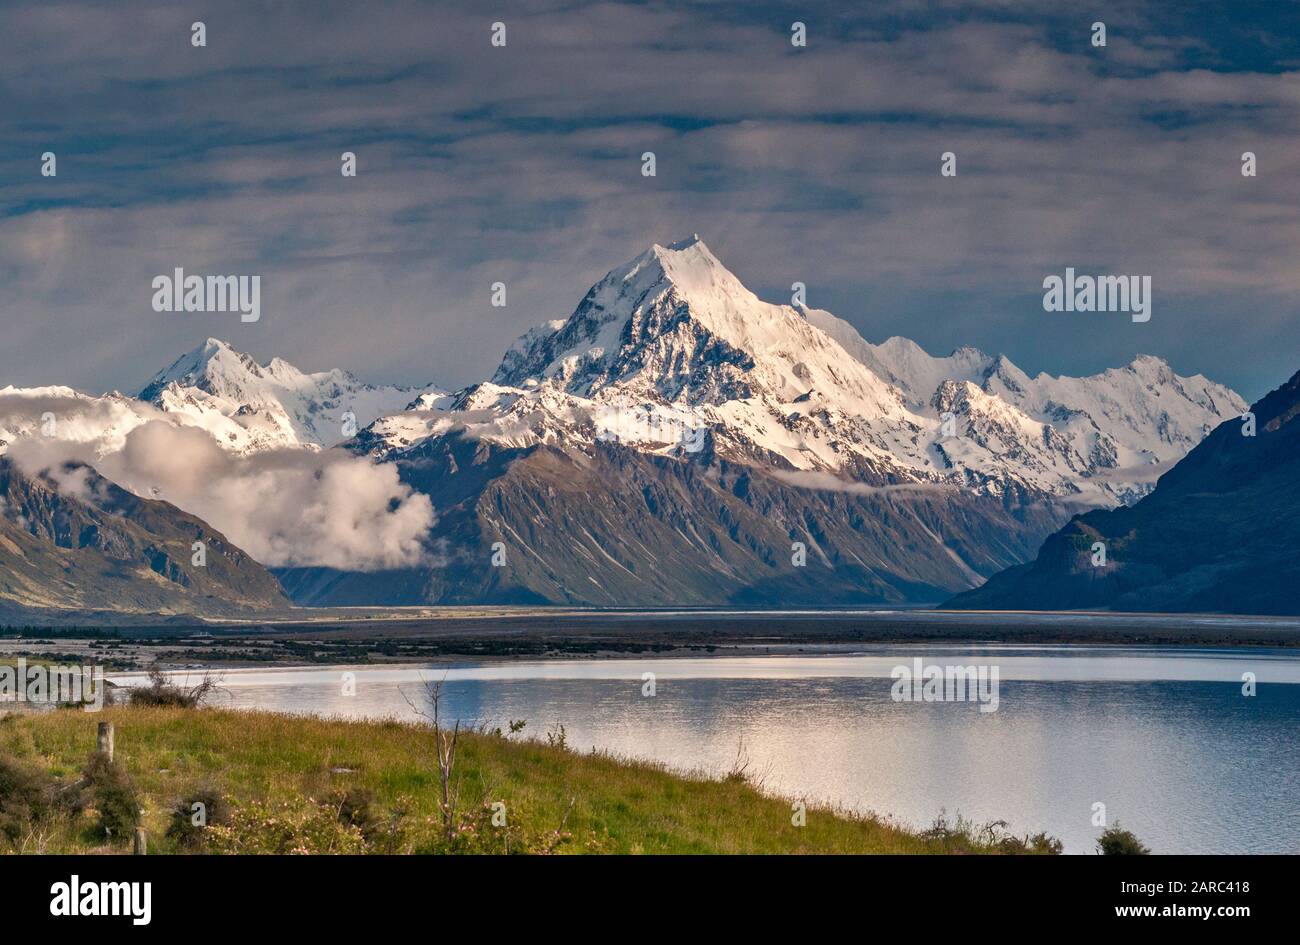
x=674, y=441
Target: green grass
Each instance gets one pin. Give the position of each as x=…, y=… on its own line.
x=294, y=764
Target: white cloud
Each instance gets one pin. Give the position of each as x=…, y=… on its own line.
x=285, y=508
x=827, y=482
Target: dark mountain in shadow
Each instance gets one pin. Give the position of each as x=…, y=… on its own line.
x=1220, y=533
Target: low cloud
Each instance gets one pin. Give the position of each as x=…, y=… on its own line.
x=828, y=482
x=285, y=508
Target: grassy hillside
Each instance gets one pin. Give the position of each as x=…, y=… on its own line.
x=275, y=783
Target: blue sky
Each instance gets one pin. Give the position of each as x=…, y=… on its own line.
x=522, y=165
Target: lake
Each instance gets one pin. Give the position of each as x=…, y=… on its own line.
x=1163, y=737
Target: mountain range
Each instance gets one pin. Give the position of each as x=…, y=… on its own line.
x=677, y=440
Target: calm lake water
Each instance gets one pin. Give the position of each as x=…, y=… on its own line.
x=1163, y=737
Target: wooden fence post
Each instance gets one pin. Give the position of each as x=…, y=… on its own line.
x=105, y=745
x=141, y=842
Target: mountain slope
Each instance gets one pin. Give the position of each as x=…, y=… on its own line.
x=71, y=540
x=1219, y=533
x=618, y=527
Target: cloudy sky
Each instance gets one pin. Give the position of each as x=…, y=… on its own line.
x=522, y=165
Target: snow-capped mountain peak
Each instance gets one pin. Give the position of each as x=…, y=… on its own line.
x=245, y=406
x=674, y=331
x=214, y=367
x=674, y=325
x=693, y=269
x=271, y=405
x=631, y=304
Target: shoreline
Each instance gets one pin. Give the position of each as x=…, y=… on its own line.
x=539, y=635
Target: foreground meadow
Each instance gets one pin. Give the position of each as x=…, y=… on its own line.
x=212, y=780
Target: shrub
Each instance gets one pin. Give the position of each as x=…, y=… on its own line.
x=27, y=798
x=113, y=797
x=165, y=694
x=355, y=808
x=193, y=814
x=383, y=831
x=965, y=836
x=1116, y=841
x=1039, y=844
